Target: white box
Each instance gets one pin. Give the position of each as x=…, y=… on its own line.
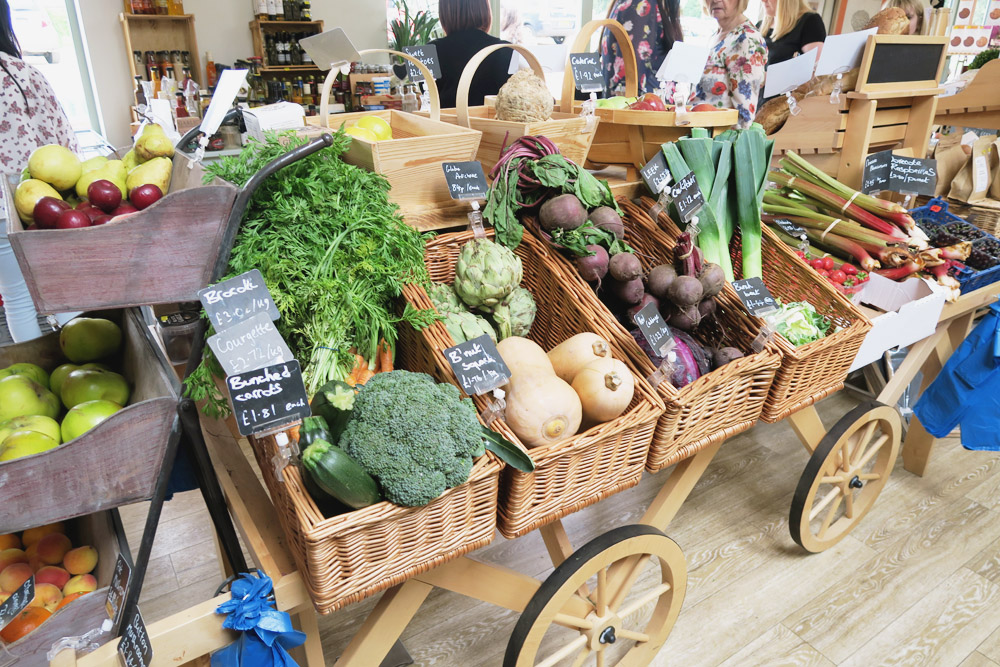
x=279, y=116
x=910, y=313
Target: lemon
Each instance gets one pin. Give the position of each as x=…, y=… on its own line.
x=361, y=133
x=378, y=125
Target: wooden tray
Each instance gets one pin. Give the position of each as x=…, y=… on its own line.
x=113, y=464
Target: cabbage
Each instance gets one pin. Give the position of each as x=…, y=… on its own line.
x=798, y=322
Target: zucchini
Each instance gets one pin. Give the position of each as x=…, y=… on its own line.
x=313, y=428
x=334, y=402
x=339, y=475
x=327, y=504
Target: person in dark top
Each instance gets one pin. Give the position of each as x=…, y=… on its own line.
x=790, y=28
x=465, y=24
x=653, y=26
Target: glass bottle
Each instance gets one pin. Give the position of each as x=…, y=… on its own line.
x=272, y=10
x=162, y=8
x=137, y=61
x=289, y=7
x=410, y=101
x=306, y=10
x=178, y=65
x=260, y=9
x=296, y=51
x=175, y=7
x=210, y=73
x=180, y=109
x=151, y=64
x=297, y=91
x=166, y=65
x=279, y=10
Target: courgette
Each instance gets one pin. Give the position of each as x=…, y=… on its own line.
x=339, y=475
x=314, y=428
x=334, y=402
x=327, y=504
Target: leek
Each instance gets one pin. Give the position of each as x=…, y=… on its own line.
x=748, y=210
x=697, y=154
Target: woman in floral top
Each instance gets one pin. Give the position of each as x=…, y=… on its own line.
x=734, y=73
x=652, y=26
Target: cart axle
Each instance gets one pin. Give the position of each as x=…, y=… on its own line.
x=608, y=636
x=856, y=483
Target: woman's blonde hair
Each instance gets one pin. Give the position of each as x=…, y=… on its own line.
x=915, y=7
x=706, y=6
x=786, y=14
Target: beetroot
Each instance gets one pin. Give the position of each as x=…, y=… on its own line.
x=629, y=292
x=659, y=280
x=686, y=318
x=707, y=307
x=625, y=267
x=595, y=267
x=647, y=299
x=724, y=355
x=562, y=212
x=685, y=291
x=712, y=279
x=604, y=217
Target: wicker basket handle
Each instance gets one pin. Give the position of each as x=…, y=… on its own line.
x=580, y=45
x=324, y=106
x=465, y=81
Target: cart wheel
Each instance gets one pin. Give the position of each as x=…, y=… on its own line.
x=604, y=603
x=844, y=476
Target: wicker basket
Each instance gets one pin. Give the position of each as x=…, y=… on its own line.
x=346, y=558
x=581, y=470
x=814, y=371
x=718, y=405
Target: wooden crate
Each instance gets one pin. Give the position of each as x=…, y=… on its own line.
x=113, y=464
x=976, y=105
x=104, y=532
x=163, y=254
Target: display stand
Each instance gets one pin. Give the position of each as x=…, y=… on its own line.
x=977, y=105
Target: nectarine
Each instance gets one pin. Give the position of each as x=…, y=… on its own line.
x=32, y=535
x=81, y=583
x=80, y=560
x=13, y=576
x=10, y=541
x=46, y=595
x=11, y=556
x=52, y=574
x=53, y=548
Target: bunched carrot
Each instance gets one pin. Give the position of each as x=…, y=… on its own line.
x=385, y=363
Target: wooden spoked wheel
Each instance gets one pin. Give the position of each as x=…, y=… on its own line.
x=612, y=602
x=844, y=476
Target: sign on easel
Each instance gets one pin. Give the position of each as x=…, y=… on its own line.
x=755, y=296
x=135, y=649
x=268, y=397
x=841, y=53
x=685, y=63
x=237, y=299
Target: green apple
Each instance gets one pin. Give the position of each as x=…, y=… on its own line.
x=89, y=339
x=36, y=423
x=25, y=443
x=85, y=416
x=59, y=376
x=21, y=396
x=84, y=385
x=36, y=373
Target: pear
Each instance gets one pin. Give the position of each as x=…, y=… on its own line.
x=56, y=165
x=131, y=161
x=93, y=163
x=153, y=143
x=112, y=170
x=27, y=195
x=156, y=171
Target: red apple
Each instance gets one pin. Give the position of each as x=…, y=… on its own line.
x=47, y=211
x=100, y=220
x=93, y=213
x=72, y=220
x=29, y=228
x=145, y=195
x=704, y=107
x=104, y=194
x=82, y=205
x=124, y=209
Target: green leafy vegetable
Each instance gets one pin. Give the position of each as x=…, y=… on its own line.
x=798, y=322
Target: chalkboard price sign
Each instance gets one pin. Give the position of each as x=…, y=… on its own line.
x=135, y=649
x=687, y=197
x=654, y=329
x=237, y=299
x=755, y=296
x=268, y=397
x=428, y=55
x=876, y=176
x=587, y=72
x=907, y=175
x=466, y=180
x=791, y=229
x=655, y=173
x=478, y=365
x=17, y=601
x=117, y=589
x=249, y=345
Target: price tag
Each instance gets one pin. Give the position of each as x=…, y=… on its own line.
x=687, y=197
x=791, y=229
x=117, y=589
x=654, y=329
x=135, y=649
x=876, y=175
x=655, y=173
x=478, y=365
x=237, y=299
x=466, y=180
x=249, y=345
x=755, y=296
x=269, y=397
x=910, y=175
x=587, y=72
x=17, y=601
x=428, y=55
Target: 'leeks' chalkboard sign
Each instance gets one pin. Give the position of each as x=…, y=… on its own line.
x=655, y=173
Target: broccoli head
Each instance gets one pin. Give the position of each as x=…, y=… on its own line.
x=416, y=437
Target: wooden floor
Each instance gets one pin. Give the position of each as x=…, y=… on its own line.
x=918, y=583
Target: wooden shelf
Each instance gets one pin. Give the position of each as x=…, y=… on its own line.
x=257, y=30
x=287, y=24
x=159, y=17
x=160, y=32
x=270, y=69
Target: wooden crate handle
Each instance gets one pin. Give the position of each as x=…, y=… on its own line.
x=580, y=45
x=324, y=106
x=465, y=81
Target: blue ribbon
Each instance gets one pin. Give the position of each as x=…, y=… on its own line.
x=267, y=633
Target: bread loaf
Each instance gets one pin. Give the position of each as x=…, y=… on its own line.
x=890, y=21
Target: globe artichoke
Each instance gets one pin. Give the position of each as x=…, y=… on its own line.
x=515, y=314
x=444, y=298
x=486, y=272
x=465, y=326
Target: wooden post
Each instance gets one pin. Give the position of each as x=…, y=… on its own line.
x=857, y=139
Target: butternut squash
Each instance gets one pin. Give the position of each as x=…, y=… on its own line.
x=542, y=409
x=569, y=356
x=524, y=356
x=605, y=388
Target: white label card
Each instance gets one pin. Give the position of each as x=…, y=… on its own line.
x=222, y=99
x=842, y=52
x=685, y=63
x=789, y=75
x=329, y=48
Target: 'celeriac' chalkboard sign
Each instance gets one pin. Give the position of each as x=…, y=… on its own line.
x=466, y=180
x=654, y=329
x=426, y=54
x=687, y=197
x=587, y=72
x=17, y=601
x=135, y=649
x=755, y=296
x=117, y=589
x=237, y=299
x=478, y=365
x=249, y=345
x=269, y=397
x=655, y=173
x=895, y=173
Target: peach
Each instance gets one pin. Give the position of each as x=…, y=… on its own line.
x=46, y=595
x=53, y=548
x=85, y=583
x=32, y=535
x=13, y=576
x=10, y=541
x=69, y=598
x=3, y=597
x=51, y=574
x=81, y=560
x=11, y=556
